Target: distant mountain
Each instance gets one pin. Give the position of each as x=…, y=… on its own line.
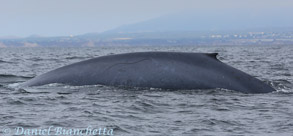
x=215, y=27
x=215, y=20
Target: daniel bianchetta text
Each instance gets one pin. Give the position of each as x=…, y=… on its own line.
x=58, y=131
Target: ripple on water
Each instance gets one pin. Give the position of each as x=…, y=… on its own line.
x=148, y=111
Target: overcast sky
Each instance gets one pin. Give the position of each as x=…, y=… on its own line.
x=74, y=17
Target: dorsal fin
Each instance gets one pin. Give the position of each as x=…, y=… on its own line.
x=212, y=55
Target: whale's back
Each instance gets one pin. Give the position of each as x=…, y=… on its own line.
x=169, y=70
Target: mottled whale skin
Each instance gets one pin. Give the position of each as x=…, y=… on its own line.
x=166, y=70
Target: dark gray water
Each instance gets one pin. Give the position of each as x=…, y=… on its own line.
x=130, y=111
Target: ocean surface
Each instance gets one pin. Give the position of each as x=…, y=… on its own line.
x=132, y=111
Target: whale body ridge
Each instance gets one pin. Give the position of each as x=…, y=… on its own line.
x=166, y=70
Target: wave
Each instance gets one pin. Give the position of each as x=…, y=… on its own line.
x=2, y=61
x=7, y=78
x=75, y=57
x=13, y=76
x=282, y=85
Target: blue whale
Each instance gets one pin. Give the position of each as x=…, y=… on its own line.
x=166, y=70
